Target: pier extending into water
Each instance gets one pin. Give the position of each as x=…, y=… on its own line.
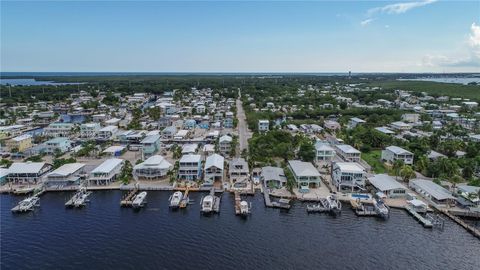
x=127, y=200
x=282, y=203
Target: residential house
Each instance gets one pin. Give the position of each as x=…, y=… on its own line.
x=59, y=144
x=393, y=153
x=432, y=191
x=89, y=130
x=68, y=175
x=20, y=143
x=387, y=185
x=323, y=152
x=354, y=122
x=238, y=170
x=107, y=132
x=401, y=126
x=273, y=177
x=150, y=145
x=348, y=176
x=263, y=125
x=225, y=144
x=154, y=168
x=27, y=172
x=214, y=165
x=190, y=167
x=305, y=174
x=58, y=130
x=348, y=153
x=106, y=173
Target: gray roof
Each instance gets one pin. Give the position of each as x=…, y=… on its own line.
x=384, y=182
x=398, y=150
x=301, y=168
x=434, y=190
x=151, y=139
x=273, y=173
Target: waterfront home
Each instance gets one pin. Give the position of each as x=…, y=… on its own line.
x=323, y=151
x=20, y=143
x=66, y=176
x=106, y=173
x=214, y=165
x=394, y=153
x=58, y=130
x=3, y=175
x=190, y=167
x=470, y=193
x=238, y=170
x=225, y=144
x=388, y=186
x=59, y=144
x=107, y=132
x=263, y=125
x=89, y=130
x=348, y=176
x=348, y=153
x=27, y=172
x=354, y=122
x=399, y=125
x=154, y=168
x=432, y=191
x=273, y=177
x=305, y=174
x=150, y=145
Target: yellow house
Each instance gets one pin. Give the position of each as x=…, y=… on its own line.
x=21, y=142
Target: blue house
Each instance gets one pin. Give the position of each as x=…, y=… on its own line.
x=189, y=124
x=61, y=143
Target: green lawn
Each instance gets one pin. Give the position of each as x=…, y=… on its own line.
x=373, y=159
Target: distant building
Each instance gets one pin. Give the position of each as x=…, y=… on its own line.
x=150, y=145
x=225, y=144
x=401, y=126
x=411, y=117
x=354, y=122
x=107, y=132
x=393, y=153
x=59, y=144
x=89, y=130
x=263, y=125
x=21, y=143
x=58, y=130
x=323, y=152
x=348, y=153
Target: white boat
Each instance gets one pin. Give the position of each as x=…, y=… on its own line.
x=139, y=200
x=27, y=204
x=244, y=208
x=78, y=199
x=175, y=199
x=207, y=204
x=22, y=190
x=333, y=203
x=380, y=208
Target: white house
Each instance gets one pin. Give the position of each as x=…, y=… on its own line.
x=428, y=189
x=238, y=169
x=323, y=151
x=225, y=144
x=263, y=125
x=214, y=165
x=349, y=176
x=273, y=177
x=348, y=153
x=399, y=125
x=393, y=153
x=68, y=175
x=154, y=168
x=354, y=121
x=305, y=174
x=106, y=172
x=58, y=130
x=388, y=186
x=89, y=130
x=107, y=132
x=411, y=117
x=190, y=167
x=27, y=172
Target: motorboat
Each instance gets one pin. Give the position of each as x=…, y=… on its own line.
x=139, y=200
x=380, y=208
x=175, y=199
x=207, y=204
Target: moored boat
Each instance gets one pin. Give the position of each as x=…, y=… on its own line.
x=140, y=200
x=175, y=199
x=27, y=204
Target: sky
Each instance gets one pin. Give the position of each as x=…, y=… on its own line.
x=233, y=36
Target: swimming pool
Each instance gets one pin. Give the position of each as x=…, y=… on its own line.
x=361, y=196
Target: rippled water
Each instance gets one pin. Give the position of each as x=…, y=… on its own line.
x=105, y=236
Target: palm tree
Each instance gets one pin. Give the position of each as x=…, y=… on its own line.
x=407, y=173
x=397, y=165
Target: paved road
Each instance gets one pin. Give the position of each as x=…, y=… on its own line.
x=243, y=133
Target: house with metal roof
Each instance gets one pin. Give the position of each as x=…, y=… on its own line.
x=154, y=168
x=214, y=168
x=60, y=144
x=394, y=153
x=305, y=174
x=348, y=176
x=348, y=152
x=20, y=143
x=323, y=151
x=238, y=169
x=150, y=145
x=432, y=191
x=273, y=177
x=27, y=172
x=225, y=144
x=106, y=173
x=190, y=167
x=68, y=175
x=388, y=186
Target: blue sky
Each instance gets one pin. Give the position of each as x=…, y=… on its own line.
x=230, y=36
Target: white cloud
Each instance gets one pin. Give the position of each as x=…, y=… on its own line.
x=470, y=56
x=399, y=8
x=366, y=22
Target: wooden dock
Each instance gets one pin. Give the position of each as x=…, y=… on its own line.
x=269, y=203
x=184, y=202
x=471, y=229
x=363, y=211
x=425, y=222
x=128, y=199
x=237, y=202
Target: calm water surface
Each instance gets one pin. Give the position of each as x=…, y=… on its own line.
x=105, y=236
